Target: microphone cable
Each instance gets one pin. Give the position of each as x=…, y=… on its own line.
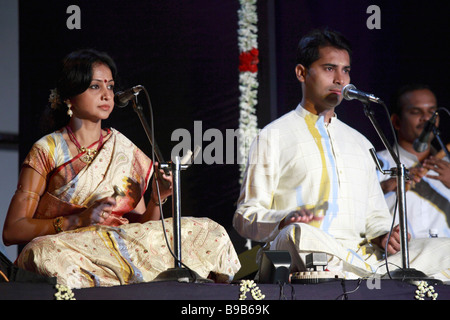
x=193, y=275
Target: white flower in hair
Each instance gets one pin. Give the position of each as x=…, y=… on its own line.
x=54, y=98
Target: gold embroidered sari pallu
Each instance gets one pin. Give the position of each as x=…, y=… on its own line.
x=75, y=185
x=116, y=252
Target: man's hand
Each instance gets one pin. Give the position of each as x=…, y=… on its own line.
x=394, y=244
x=389, y=185
x=442, y=167
x=302, y=215
x=415, y=175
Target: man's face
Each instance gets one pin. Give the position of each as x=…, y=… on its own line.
x=417, y=108
x=324, y=79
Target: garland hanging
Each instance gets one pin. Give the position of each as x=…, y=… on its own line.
x=248, y=83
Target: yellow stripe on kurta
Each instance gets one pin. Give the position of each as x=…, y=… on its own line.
x=324, y=190
x=351, y=255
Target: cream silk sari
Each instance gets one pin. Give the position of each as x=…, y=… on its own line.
x=116, y=252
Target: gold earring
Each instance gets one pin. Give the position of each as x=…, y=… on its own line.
x=69, y=110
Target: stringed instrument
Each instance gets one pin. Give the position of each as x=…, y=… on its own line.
x=440, y=155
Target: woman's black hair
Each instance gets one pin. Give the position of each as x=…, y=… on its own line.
x=74, y=78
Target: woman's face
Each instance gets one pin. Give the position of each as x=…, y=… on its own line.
x=97, y=102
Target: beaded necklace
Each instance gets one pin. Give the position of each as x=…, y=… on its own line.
x=89, y=153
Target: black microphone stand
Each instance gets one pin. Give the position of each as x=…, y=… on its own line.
x=179, y=272
x=436, y=133
x=405, y=273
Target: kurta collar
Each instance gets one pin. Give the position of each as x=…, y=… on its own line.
x=302, y=112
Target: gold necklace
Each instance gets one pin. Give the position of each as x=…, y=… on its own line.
x=88, y=153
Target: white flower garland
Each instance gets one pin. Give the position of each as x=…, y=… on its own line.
x=64, y=293
x=250, y=285
x=248, y=83
x=424, y=290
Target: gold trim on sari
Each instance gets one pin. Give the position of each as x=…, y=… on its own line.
x=73, y=185
x=117, y=252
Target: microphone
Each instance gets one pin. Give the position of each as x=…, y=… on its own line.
x=349, y=92
x=122, y=98
x=421, y=143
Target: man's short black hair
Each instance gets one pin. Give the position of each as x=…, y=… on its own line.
x=309, y=45
x=397, y=104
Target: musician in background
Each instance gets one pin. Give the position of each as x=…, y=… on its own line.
x=428, y=195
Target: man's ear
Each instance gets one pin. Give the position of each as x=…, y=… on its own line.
x=395, y=119
x=300, y=72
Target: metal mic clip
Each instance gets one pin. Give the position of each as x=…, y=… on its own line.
x=122, y=98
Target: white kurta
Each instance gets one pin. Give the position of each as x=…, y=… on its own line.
x=298, y=161
x=427, y=202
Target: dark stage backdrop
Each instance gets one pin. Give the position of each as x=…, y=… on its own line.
x=186, y=55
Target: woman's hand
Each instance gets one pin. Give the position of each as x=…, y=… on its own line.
x=152, y=212
x=97, y=213
x=165, y=183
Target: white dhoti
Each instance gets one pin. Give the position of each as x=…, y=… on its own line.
x=355, y=260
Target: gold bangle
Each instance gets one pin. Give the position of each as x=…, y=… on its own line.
x=157, y=203
x=57, y=224
x=31, y=195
